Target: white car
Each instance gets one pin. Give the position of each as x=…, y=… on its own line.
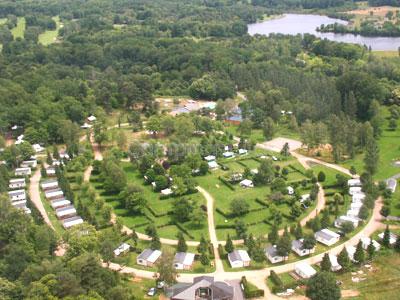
x=152, y=291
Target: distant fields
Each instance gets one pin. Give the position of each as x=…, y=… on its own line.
x=386, y=53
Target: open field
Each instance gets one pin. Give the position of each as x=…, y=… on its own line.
x=386, y=53
x=380, y=11
x=18, y=31
x=50, y=36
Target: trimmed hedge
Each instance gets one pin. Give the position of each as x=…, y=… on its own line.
x=276, y=279
x=261, y=202
x=157, y=215
x=181, y=228
x=248, y=292
x=226, y=183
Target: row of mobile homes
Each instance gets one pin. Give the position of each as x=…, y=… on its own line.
x=17, y=183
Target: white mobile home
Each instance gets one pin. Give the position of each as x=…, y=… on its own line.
x=148, y=257
x=334, y=263
x=298, y=248
x=54, y=194
x=17, y=183
x=51, y=171
x=23, y=171
x=49, y=185
x=366, y=241
x=354, y=182
x=358, y=197
x=346, y=219
x=66, y=212
x=354, y=190
x=122, y=249
x=17, y=195
x=304, y=270
x=70, y=222
x=209, y=158
x=246, y=183
x=29, y=163
x=350, y=251
x=183, y=261
x=392, y=237
x=59, y=203
x=327, y=237
x=239, y=259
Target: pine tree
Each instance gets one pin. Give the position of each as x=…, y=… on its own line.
x=326, y=263
x=325, y=221
x=258, y=252
x=155, y=243
x=298, y=233
x=203, y=245
x=250, y=244
x=229, y=245
x=397, y=245
x=205, y=261
x=273, y=235
x=371, y=158
x=49, y=160
x=344, y=260
x=386, y=237
x=371, y=250
x=182, y=247
x=359, y=255
x=43, y=172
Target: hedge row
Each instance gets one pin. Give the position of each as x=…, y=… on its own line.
x=295, y=169
x=227, y=183
x=248, y=292
x=155, y=214
x=261, y=202
x=181, y=228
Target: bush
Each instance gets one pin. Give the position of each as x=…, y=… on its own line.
x=221, y=251
x=249, y=291
x=226, y=183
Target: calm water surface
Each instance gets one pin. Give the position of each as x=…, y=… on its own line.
x=299, y=24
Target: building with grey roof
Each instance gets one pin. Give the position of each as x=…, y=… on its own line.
x=298, y=248
x=272, y=254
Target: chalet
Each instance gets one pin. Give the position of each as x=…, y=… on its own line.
x=298, y=248
x=70, y=222
x=49, y=184
x=242, y=151
x=354, y=182
x=183, y=261
x=272, y=254
x=51, y=171
x=304, y=198
x=354, y=190
x=91, y=118
x=392, y=237
x=366, y=241
x=358, y=197
x=148, y=257
x=59, y=203
x=54, y=194
x=304, y=270
x=228, y=154
x=29, y=163
x=122, y=249
x=239, y=259
x=213, y=165
x=37, y=148
x=17, y=183
x=17, y=195
x=334, y=263
x=23, y=171
x=66, y=212
x=166, y=192
x=290, y=190
x=351, y=250
x=391, y=184
x=246, y=183
x=209, y=158
x=327, y=237
x=346, y=219
x=203, y=288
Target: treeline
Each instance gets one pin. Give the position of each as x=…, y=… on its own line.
x=367, y=28
x=307, y=4
x=384, y=2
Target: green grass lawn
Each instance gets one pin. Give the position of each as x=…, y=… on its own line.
x=3, y=21
x=389, y=147
x=160, y=207
x=49, y=36
x=18, y=31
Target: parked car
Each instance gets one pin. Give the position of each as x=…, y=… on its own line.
x=152, y=292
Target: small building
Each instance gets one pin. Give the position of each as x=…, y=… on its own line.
x=59, y=203
x=304, y=198
x=351, y=250
x=16, y=183
x=354, y=182
x=304, y=270
x=354, y=190
x=166, y=192
x=148, y=257
x=23, y=171
x=327, y=237
x=37, y=148
x=392, y=237
x=346, y=219
x=242, y=151
x=70, y=222
x=239, y=259
x=56, y=162
x=17, y=195
x=254, y=171
x=213, y=165
x=29, y=163
x=86, y=126
x=274, y=158
x=353, y=212
x=290, y=190
x=298, y=248
x=183, y=261
x=122, y=249
x=334, y=263
x=209, y=158
x=66, y=212
x=246, y=183
x=356, y=205
x=49, y=184
x=358, y=197
x=51, y=171
x=228, y=154
x=366, y=241
x=54, y=194
x=271, y=253
x=391, y=184
x=92, y=118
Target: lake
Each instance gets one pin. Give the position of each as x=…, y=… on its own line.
x=299, y=24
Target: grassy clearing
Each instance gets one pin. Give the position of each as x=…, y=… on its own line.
x=386, y=53
x=389, y=152
x=50, y=36
x=3, y=21
x=18, y=31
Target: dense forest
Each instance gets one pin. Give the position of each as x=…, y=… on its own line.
x=122, y=54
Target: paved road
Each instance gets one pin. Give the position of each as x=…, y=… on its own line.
x=34, y=194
